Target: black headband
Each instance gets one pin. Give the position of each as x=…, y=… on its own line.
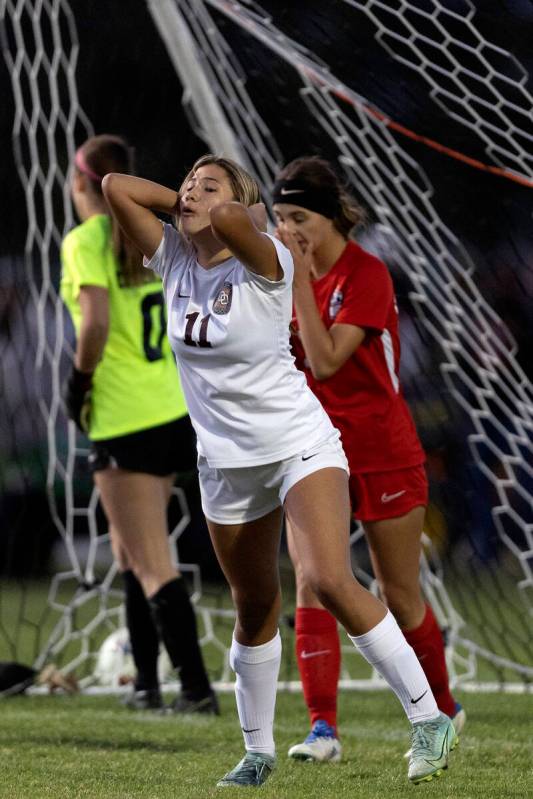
x=298, y=192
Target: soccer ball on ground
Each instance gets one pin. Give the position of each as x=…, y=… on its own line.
x=115, y=666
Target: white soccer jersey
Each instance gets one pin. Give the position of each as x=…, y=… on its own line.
x=229, y=329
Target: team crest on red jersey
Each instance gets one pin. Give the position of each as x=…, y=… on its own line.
x=335, y=302
x=222, y=304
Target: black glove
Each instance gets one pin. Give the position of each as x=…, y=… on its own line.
x=77, y=398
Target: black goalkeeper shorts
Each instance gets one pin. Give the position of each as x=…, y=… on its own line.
x=160, y=450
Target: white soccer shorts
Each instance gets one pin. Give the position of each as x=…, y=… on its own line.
x=234, y=496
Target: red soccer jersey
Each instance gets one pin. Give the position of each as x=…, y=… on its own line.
x=363, y=398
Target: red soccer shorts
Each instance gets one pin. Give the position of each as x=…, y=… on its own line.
x=386, y=495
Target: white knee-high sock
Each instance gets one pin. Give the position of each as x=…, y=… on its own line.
x=385, y=648
x=257, y=669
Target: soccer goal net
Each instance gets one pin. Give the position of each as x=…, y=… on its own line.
x=425, y=109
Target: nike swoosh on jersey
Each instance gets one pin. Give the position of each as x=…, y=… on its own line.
x=305, y=655
x=292, y=191
x=389, y=497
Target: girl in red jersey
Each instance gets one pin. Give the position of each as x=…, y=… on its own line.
x=345, y=339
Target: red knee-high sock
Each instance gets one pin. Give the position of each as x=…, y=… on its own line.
x=319, y=655
x=428, y=643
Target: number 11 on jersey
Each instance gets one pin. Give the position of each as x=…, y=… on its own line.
x=202, y=338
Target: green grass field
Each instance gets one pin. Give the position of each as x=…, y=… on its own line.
x=91, y=747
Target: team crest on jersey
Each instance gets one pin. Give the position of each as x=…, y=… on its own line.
x=335, y=302
x=222, y=304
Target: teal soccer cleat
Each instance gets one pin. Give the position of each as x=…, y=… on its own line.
x=431, y=743
x=253, y=769
x=459, y=721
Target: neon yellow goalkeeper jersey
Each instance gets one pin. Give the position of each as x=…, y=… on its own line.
x=136, y=384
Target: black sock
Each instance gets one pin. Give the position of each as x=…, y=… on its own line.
x=176, y=622
x=143, y=633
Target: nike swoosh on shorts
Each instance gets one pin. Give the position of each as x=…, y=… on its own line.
x=389, y=497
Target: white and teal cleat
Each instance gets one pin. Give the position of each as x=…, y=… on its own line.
x=320, y=746
x=252, y=770
x=431, y=743
x=459, y=721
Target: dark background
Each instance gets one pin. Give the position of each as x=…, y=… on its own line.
x=127, y=85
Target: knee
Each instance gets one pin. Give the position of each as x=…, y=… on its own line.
x=305, y=595
x=326, y=587
x=403, y=601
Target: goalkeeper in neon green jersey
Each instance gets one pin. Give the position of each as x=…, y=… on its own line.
x=124, y=392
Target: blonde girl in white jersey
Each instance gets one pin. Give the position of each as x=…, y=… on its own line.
x=265, y=445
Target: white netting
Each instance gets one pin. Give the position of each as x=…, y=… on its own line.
x=476, y=353
x=475, y=82
x=40, y=46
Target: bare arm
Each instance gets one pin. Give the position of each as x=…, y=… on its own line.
x=326, y=350
x=131, y=200
x=236, y=227
x=91, y=341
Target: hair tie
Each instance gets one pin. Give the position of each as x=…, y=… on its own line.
x=82, y=165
